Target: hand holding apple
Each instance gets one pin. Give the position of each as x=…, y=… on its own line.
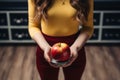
x=60, y=53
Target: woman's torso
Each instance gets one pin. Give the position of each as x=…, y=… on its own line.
x=61, y=20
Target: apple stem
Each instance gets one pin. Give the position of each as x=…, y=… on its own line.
x=60, y=45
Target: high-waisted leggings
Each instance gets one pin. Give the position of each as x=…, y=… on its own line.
x=72, y=72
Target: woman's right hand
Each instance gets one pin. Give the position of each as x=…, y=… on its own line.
x=47, y=56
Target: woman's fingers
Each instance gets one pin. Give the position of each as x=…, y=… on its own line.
x=54, y=65
x=48, y=58
x=72, y=59
x=46, y=55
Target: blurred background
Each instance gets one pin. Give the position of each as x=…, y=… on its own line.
x=17, y=49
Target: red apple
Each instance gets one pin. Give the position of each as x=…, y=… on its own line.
x=60, y=52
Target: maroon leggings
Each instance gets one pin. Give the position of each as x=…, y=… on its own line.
x=73, y=72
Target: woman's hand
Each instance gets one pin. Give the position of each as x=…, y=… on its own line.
x=47, y=56
x=74, y=55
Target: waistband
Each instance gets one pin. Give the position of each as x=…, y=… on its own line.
x=70, y=36
x=66, y=39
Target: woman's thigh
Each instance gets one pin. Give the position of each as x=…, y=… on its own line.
x=46, y=71
x=75, y=71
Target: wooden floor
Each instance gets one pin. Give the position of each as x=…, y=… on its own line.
x=18, y=63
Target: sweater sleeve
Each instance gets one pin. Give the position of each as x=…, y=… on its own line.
x=88, y=26
x=33, y=26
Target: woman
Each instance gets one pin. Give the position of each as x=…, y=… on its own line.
x=52, y=21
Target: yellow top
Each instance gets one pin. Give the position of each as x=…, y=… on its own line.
x=61, y=20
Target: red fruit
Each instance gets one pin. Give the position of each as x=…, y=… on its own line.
x=60, y=52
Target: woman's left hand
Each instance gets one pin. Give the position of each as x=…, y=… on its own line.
x=74, y=55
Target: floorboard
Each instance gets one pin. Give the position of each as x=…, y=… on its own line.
x=18, y=63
